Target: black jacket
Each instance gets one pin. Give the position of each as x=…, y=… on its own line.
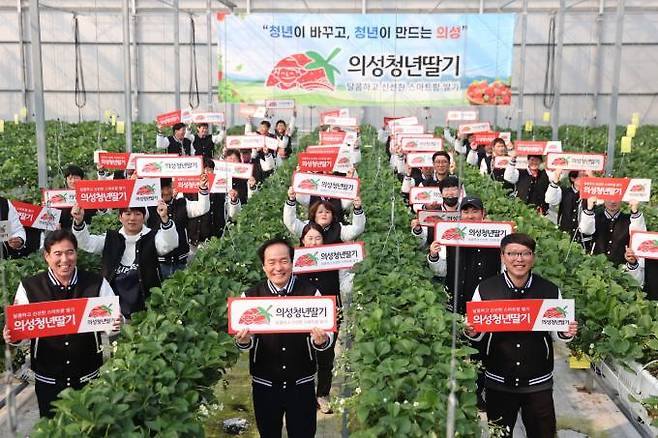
x=532, y=190
x=177, y=209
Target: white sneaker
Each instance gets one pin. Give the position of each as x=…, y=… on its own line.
x=323, y=403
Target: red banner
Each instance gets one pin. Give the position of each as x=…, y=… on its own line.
x=169, y=119
x=35, y=216
x=113, y=160
x=190, y=184
x=484, y=138
x=62, y=317
x=332, y=137
x=528, y=147
x=607, y=189
x=27, y=213
x=316, y=162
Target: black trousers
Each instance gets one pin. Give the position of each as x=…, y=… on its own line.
x=326, y=368
x=537, y=411
x=297, y=403
x=47, y=393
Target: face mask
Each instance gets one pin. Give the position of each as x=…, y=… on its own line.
x=451, y=201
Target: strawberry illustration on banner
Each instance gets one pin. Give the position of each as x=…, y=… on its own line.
x=483, y=93
x=483, y=234
x=570, y=161
x=425, y=195
x=282, y=314
x=58, y=198
x=307, y=71
x=474, y=128
x=419, y=159
x=521, y=315
x=327, y=257
x=35, y=216
x=62, y=317
x=325, y=185
x=645, y=244
x=429, y=218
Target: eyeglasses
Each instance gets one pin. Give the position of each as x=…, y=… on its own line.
x=516, y=255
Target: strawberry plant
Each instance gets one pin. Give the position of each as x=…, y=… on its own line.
x=402, y=340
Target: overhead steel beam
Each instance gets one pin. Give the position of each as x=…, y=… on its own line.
x=555, y=116
x=522, y=55
x=127, y=94
x=176, y=54
x=614, y=100
x=39, y=107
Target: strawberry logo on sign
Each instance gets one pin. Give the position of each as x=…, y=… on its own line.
x=146, y=190
x=648, y=246
x=455, y=233
x=47, y=217
x=56, y=199
x=308, y=71
x=307, y=260
x=417, y=160
x=255, y=315
x=308, y=184
x=101, y=311
x=423, y=196
x=561, y=161
x=153, y=167
x=637, y=188
x=234, y=142
x=555, y=312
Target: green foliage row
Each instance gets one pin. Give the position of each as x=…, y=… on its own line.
x=402, y=334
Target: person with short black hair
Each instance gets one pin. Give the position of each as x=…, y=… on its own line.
x=129, y=256
x=519, y=365
x=202, y=143
x=177, y=142
x=429, y=177
x=569, y=205
x=73, y=174
x=66, y=361
x=283, y=132
x=180, y=210
x=645, y=271
x=451, y=191
x=283, y=366
x=531, y=183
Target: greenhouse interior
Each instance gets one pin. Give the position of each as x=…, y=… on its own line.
x=367, y=218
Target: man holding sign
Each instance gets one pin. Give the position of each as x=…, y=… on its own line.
x=283, y=365
x=519, y=364
x=66, y=361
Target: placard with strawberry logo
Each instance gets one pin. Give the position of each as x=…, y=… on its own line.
x=412, y=120
x=421, y=144
x=113, y=160
x=36, y=216
x=169, y=119
x=343, y=159
x=245, y=141
x=407, y=129
x=536, y=147
x=645, y=244
x=281, y=314
x=329, y=186
x=58, y=198
x=536, y=315
x=484, y=138
x=419, y=159
x=425, y=195
x=474, y=128
x=332, y=137
x=572, y=161
x=429, y=218
x=205, y=117
x=616, y=189
x=344, y=122
x=501, y=162
x=478, y=234
x=280, y=104
x=62, y=317
x=233, y=170
x=312, y=162
x=167, y=167
x=327, y=257
x=459, y=116
x=135, y=155
x=120, y=193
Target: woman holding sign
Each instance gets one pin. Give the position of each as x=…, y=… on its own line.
x=519, y=364
x=328, y=284
x=65, y=361
x=323, y=213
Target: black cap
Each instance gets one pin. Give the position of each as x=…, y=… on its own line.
x=471, y=201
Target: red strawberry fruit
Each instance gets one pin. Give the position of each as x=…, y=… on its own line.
x=423, y=196
x=255, y=315
x=57, y=199
x=417, y=160
x=152, y=167
x=308, y=71
x=637, y=188
x=454, y=233
x=47, y=217
x=100, y=311
x=307, y=260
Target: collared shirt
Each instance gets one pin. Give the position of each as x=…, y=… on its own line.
x=285, y=290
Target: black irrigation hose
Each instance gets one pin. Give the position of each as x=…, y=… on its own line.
x=80, y=90
x=549, y=76
x=193, y=93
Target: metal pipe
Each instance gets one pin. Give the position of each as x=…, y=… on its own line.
x=481, y=11
x=21, y=55
x=176, y=54
x=127, y=95
x=598, y=64
x=134, y=59
x=363, y=7
x=210, y=60
x=39, y=107
x=614, y=100
x=555, y=117
x=524, y=32
x=249, y=6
